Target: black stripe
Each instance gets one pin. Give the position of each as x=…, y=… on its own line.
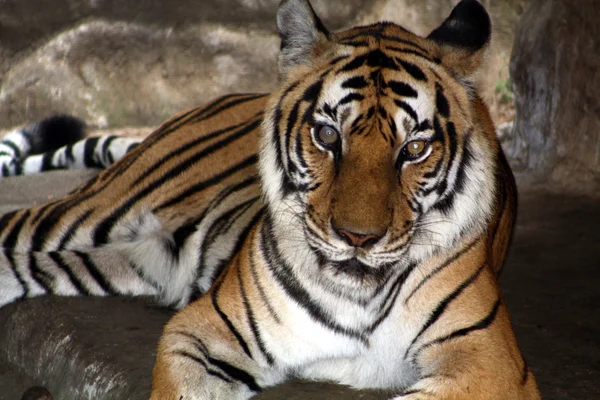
x=465, y=162
x=433, y=173
x=378, y=59
x=176, y=153
x=441, y=102
x=412, y=70
x=439, y=310
x=357, y=43
x=226, y=320
x=5, y=170
x=261, y=291
x=89, y=153
x=202, y=349
x=41, y=277
x=447, y=202
x=183, y=232
x=354, y=63
x=402, y=89
x=95, y=272
x=202, y=185
x=482, y=324
x=411, y=391
x=241, y=240
x=421, y=54
x=61, y=264
x=284, y=275
x=106, y=155
x=440, y=268
x=351, y=97
x=291, y=120
x=200, y=361
x=408, y=109
x=129, y=148
x=313, y=92
x=53, y=217
x=12, y=146
x=392, y=295
x=48, y=161
x=13, y=267
x=356, y=82
x=252, y=320
x=5, y=219
x=403, y=41
x=236, y=373
x=11, y=239
x=312, y=95
x=39, y=212
x=276, y=137
x=68, y=235
x=299, y=155
x=69, y=156
x=223, y=224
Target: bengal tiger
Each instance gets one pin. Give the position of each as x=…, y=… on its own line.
x=348, y=227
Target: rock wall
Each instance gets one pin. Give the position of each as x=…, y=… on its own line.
x=136, y=62
x=556, y=79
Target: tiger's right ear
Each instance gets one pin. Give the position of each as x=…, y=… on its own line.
x=463, y=39
x=301, y=33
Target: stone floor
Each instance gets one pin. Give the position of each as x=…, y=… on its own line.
x=104, y=348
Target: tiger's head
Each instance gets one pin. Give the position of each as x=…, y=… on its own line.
x=376, y=150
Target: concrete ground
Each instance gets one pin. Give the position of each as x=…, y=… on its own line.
x=104, y=348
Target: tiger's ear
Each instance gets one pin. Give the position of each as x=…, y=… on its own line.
x=301, y=32
x=463, y=39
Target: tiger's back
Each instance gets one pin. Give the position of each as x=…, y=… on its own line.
x=176, y=192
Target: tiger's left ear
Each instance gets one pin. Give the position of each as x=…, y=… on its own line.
x=463, y=39
x=302, y=34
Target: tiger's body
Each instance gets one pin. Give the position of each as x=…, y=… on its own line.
x=348, y=227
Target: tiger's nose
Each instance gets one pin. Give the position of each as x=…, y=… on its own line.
x=357, y=239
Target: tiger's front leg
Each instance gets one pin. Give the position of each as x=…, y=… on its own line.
x=209, y=349
x=482, y=362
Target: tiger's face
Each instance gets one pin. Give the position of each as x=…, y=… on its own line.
x=375, y=153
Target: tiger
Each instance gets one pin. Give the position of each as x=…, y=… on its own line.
x=348, y=227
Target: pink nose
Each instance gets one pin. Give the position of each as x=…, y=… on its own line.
x=357, y=239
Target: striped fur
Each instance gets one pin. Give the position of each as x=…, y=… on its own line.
x=58, y=143
x=348, y=227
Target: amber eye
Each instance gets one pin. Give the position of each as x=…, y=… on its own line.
x=415, y=149
x=327, y=136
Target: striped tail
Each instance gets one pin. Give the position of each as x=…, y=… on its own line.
x=58, y=143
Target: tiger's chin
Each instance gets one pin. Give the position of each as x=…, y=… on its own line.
x=353, y=271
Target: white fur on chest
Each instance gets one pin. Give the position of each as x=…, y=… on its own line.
x=307, y=348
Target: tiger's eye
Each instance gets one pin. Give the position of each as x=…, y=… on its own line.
x=327, y=135
x=416, y=148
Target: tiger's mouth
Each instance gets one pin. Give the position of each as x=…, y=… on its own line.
x=353, y=268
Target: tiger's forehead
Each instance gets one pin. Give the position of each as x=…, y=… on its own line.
x=387, y=35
